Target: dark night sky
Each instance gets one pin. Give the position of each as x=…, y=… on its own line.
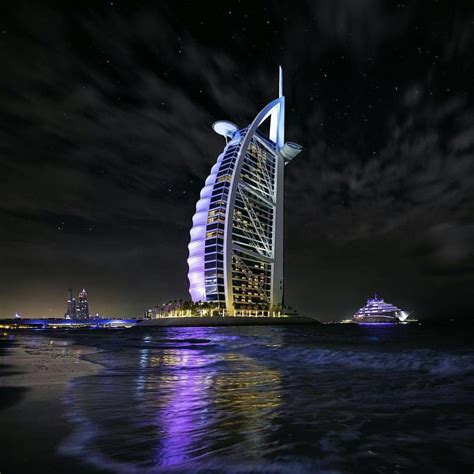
x=105, y=142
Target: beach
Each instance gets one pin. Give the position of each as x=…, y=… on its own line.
x=35, y=369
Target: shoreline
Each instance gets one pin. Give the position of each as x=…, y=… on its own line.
x=35, y=371
x=41, y=360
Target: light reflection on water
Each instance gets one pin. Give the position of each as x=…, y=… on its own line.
x=188, y=401
x=279, y=399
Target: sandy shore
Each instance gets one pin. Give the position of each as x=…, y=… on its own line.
x=34, y=372
x=44, y=361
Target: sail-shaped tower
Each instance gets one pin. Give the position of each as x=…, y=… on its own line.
x=236, y=247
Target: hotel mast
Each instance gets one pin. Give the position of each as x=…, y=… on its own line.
x=236, y=247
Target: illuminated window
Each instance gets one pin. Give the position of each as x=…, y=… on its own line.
x=214, y=233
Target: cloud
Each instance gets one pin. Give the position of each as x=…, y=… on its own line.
x=419, y=176
x=452, y=243
x=364, y=24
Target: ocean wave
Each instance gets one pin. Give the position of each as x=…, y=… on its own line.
x=271, y=401
x=433, y=362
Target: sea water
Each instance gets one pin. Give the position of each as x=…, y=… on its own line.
x=332, y=398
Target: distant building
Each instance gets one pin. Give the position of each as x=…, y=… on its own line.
x=82, y=306
x=169, y=309
x=77, y=309
x=71, y=305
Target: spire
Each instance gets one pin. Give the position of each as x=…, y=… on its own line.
x=277, y=122
x=280, y=82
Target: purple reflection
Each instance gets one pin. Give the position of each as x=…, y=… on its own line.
x=185, y=389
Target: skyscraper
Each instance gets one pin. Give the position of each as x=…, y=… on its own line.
x=236, y=247
x=77, y=309
x=82, y=311
x=71, y=305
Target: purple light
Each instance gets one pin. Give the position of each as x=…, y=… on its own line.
x=197, y=284
x=377, y=324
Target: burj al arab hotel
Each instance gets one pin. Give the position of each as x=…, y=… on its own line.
x=236, y=247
